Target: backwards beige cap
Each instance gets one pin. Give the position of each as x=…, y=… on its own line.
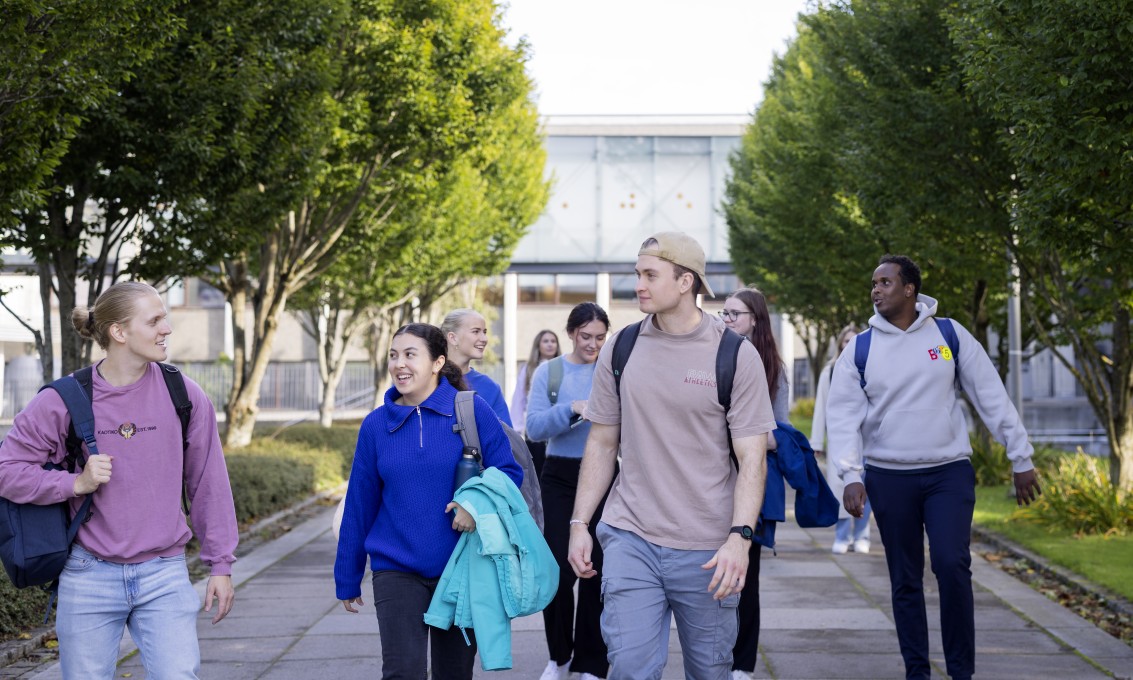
x=681, y=249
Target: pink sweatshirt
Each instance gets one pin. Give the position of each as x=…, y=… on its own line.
x=137, y=514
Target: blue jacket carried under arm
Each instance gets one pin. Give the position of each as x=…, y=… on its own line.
x=793, y=462
x=502, y=570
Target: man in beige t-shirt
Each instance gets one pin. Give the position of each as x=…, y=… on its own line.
x=677, y=526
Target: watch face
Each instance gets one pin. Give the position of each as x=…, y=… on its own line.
x=746, y=532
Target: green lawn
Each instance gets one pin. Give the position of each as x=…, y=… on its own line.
x=1105, y=561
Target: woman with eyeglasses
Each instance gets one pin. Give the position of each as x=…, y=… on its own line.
x=745, y=312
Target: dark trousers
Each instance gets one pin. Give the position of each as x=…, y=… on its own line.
x=401, y=600
x=906, y=505
x=538, y=455
x=746, y=652
x=572, y=637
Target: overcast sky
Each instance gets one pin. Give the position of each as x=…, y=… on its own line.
x=651, y=56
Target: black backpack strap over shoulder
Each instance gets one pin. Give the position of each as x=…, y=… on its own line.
x=175, y=383
x=623, y=347
x=727, y=358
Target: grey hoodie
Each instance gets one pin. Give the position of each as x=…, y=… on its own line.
x=909, y=414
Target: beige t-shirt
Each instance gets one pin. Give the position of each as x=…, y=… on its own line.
x=677, y=480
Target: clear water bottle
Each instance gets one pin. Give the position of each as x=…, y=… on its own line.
x=467, y=468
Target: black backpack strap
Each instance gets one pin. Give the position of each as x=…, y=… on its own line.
x=727, y=358
x=175, y=383
x=623, y=347
x=466, y=422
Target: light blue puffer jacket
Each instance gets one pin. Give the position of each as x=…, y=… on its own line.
x=502, y=570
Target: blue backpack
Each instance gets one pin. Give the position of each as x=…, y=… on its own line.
x=35, y=540
x=861, y=348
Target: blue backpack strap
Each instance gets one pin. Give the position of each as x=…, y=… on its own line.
x=953, y=342
x=727, y=357
x=861, y=353
x=554, y=379
x=623, y=347
x=77, y=399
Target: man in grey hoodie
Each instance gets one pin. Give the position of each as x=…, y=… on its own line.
x=914, y=442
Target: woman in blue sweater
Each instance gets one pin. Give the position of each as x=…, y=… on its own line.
x=574, y=642
x=399, y=510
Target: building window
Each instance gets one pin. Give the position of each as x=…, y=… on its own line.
x=622, y=286
x=551, y=289
x=537, y=288
x=576, y=288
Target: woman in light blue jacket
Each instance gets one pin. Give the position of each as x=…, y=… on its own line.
x=554, y=413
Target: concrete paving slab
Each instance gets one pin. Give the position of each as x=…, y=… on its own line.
x=799, y=618
x=334, y=647
x=812, y=666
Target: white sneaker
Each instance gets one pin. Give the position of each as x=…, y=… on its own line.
x=555, y=671
x=840, y=547
x=861, y=546
x=742, y=675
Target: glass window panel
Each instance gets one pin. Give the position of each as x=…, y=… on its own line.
x=622, y=286
x=697, y=146
x=536, y=288
x=576, y=288
x=570, y=146
x=625, y=147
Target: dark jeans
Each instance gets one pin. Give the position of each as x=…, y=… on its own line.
x=746, y=652
x=577, y=639
x=401, y=600
x=938, y=501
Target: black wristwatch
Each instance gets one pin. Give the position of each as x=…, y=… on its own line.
x=745, y=532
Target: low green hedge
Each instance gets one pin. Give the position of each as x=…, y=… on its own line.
x=269, y=475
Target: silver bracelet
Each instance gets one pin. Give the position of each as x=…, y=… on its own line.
x=578, y=521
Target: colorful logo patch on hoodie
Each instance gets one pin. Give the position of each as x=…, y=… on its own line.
x=940, y=352
x=127, y=430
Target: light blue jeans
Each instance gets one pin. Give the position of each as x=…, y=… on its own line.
x=850, y=529
x=155, y=599
x=643, y=586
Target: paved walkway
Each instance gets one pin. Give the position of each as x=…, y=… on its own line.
x=824, y=616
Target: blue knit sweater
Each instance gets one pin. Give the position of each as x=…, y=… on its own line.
x=401, y=482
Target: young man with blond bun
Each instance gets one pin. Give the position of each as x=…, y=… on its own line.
x=677, y=526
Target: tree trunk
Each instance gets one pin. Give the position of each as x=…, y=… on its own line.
x=238, y=410
x=46, y=346
x=1121, y=452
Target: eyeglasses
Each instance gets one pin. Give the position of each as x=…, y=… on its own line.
x=729, y=315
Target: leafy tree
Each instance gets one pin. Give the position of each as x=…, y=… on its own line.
x=60, y=60
x=793, y=231
x=1056, y=76
x=175, y=127
x=418, y=86
x=466, y=224
x=867, y=142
